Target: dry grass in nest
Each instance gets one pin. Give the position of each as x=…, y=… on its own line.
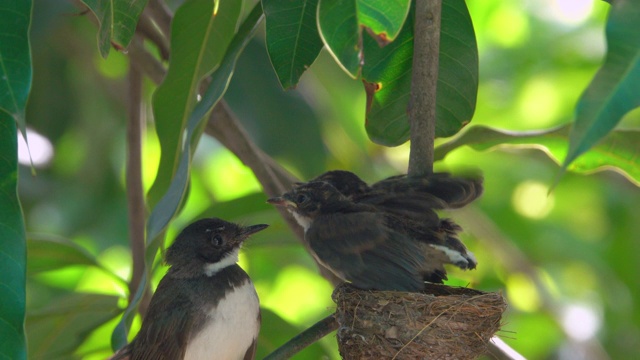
x=441, y=323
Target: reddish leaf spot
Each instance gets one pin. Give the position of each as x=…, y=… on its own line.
x=382, y=38
x=370, y=89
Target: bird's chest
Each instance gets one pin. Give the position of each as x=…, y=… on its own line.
x=230, y=328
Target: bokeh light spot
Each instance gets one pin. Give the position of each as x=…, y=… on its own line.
x=508, y=26
x=539, y=103
x=39, y=150
x=531, y=199
x=522, y=293
x=228, y=178
x=298, y=295
x=581, y=321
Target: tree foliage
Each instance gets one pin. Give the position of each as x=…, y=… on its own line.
x=530, y=79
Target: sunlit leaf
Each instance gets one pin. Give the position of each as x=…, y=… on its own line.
x=383, y=17
x=618, y=151
x=387, y=77
x=118, y=20
x=56, y=331
x=15, y=59
x=198, y=42
x=292, y=41
x=15, y=84
x=614, y=90
x=52, y=253
x=341, y=32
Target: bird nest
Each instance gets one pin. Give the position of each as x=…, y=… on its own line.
x=441, y=323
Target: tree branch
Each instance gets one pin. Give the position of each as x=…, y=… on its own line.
x=135, y=191
x=424, y=79
x=316, y=332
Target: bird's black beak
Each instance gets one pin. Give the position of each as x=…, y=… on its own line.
x=281, y=201
x=248, y=230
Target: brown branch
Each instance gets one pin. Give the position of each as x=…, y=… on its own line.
x=148, y=28
x=316, y=332
x=424, y=79
x=135, y=191
x=161, y=15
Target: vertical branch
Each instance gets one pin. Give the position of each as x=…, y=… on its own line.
x=424, y=78
x=135, y=192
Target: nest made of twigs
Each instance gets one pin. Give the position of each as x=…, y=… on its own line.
x=441, y=323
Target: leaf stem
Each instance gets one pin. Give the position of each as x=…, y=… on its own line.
x=424, y=78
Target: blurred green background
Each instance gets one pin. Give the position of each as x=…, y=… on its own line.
x=566, y=260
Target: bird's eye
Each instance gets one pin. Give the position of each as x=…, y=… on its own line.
x=301, y=198
x=217, y=240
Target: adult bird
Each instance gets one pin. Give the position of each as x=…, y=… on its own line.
x=205, y=307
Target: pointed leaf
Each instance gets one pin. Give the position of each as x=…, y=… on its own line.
x=383, y=17
x=118, y=20
x=387, y=77
x=341, y=32
x=293, y=42
x=199, y=39
x=614, y=90
x=55, y=332
x=15, y=84
x=15, y=59
x=618, y=151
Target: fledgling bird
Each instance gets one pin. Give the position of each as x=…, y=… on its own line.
x=412, y=201
x=205, y=307
x=371, y=248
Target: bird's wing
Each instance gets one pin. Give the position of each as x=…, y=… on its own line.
x=167, y=325
x=360, y=247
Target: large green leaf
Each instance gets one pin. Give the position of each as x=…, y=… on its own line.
x=168, y=205
x=341, y=32
x=55, y=332
x=614, y=90
x=293, y=42
x=118, y=20
x=15, y=84
x=387, y=76
x=15, y=59
x=618, y=151
x=48, y=253
x=383, y=17
x=199, y=39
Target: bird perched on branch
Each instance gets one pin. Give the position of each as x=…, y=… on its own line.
x=386, y=236
x=205, y=307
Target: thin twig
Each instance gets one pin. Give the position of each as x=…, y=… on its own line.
x=135, y=192
x=148, y=28
x=424, y=79
x=316, y=332
x=161, y=15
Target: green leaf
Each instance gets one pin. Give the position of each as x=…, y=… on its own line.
x=118, y=20
x=292, y=41
x=341, y=32
x=15, y=59
x=383, y=17
x=12, y=246
x=51, y=253
x=198, y=43
x=614, y=90
x=387, y=78
x=55, y=332
x=618, y=151
x=15, y=84
x=167, y=207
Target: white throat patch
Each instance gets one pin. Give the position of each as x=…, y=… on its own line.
x=303, y=221
x=229, y=259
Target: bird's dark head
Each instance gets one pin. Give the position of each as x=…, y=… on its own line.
x=346, y=182
x=207, y=246
x=309, y=200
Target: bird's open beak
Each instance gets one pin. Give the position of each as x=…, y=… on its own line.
x=248, y=230
x=281, y=201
